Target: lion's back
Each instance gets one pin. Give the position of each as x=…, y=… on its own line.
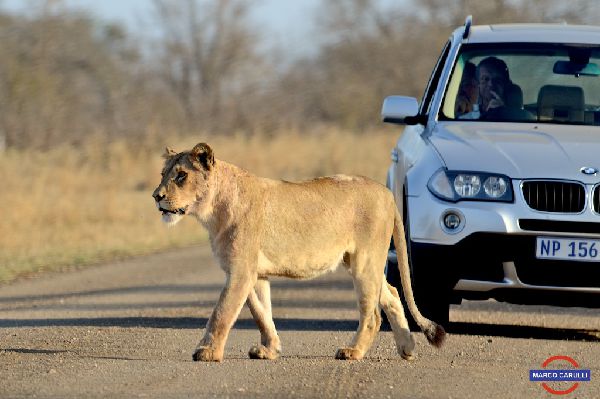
x=333, y=206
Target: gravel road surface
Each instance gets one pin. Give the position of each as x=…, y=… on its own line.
x=128, y=329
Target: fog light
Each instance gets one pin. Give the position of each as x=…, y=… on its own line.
x=452, y=221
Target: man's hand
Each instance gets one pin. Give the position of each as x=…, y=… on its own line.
x=495, y=102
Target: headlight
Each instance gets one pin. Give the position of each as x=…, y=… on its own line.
x=440, y=186
x=495, y=186
x=467, y=186
x=459, y=185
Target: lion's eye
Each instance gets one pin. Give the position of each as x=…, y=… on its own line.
x=181, y=176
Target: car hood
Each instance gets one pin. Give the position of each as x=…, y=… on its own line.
x=519, y=150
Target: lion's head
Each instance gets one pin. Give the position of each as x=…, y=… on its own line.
x=186, y=184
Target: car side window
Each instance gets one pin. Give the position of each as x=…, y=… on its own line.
x=433, y=80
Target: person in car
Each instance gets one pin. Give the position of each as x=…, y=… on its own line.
x=493, y=78
x=467, y=92
x=499, y=99
x=493, y=81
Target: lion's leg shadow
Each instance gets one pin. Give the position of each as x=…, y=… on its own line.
x=394, y=310
x=259, y=302
x=367, y=287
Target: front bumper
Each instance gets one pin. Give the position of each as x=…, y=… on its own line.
x=427, y=213
x=504, y=267
x=511, y=280
x=492, y=254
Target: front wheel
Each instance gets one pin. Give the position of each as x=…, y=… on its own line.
x=431, y=294
x=431, y=280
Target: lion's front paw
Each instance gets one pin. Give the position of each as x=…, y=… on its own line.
x=407, y=356
x=262, y=352
x=206, y=354
x=406, y=350
x=348, y=354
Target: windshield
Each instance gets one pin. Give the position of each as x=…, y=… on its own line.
x=541, y=83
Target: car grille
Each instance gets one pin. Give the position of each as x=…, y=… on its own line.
x=559, y=226
x=596, y=199
x=554, y=196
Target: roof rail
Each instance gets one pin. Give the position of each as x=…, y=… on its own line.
x=468, y=22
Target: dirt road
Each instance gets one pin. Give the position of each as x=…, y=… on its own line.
x=128, y=329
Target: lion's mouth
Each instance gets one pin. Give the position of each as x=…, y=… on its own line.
x=178, y=211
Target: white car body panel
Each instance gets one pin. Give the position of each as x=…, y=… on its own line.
x=520, y=150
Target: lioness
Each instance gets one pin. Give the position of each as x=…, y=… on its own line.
x=260, y=227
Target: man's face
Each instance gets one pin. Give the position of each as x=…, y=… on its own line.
x=490, y=81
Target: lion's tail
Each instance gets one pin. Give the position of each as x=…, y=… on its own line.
x=434, y=332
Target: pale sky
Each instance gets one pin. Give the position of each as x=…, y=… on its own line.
x=286, y=22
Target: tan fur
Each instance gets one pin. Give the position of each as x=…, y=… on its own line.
x=261, y=227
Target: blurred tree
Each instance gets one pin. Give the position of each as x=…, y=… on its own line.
x=59, y=76
x=207, y=56
x=369, y=51
x=64, y=75
x=452, y=13
x=373, y=48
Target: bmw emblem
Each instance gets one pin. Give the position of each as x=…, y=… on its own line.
x=588, y=170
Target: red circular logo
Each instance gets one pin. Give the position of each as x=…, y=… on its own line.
x=558, y=391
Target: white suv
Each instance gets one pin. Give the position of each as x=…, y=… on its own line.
x=497, y=171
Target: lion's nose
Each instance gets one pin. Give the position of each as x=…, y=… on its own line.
x=158, y=196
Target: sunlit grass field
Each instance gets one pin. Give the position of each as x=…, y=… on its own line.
x=75, y=206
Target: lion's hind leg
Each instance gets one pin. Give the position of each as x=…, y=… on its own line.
x=367, y=286
x=391, y=305
x=259, y=302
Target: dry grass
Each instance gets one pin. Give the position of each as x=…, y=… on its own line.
x=76, y=206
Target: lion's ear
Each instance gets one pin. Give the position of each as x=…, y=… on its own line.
x=202, y=156
x=169, y=153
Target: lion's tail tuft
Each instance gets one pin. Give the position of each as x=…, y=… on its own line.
x=435, y=334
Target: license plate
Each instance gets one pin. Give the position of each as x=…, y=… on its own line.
x=567, y=249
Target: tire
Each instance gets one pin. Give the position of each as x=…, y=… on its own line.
x=432, y=296
x=431, y=284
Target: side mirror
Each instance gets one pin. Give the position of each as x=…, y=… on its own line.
x=396, y=109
